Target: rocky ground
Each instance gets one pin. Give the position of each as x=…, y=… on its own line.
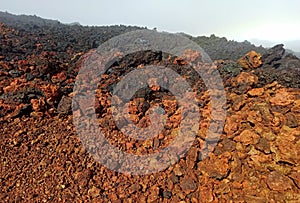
x=257, y=158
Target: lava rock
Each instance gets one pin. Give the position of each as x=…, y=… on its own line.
x=274, y=54
x=64, y=106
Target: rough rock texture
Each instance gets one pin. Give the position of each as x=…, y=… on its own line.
x=251, y=60
x=279, y=67
x=257, y=158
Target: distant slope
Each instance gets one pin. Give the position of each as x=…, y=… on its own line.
x=221, y=48
x=82, y=38
x=293, y=45
x=297, y=54
x=59, y=37
x=19, y=21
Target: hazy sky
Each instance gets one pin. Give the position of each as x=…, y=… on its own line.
x=274, y=20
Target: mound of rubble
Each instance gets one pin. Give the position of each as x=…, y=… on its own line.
x=257, y=158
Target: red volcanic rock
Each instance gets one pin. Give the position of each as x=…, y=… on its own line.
x=251, y=60
x=60, y=77
x=278, y=182
x=282, y=98
x=188, y=185
x=38, y=104
x=255, y=159
x=247, y=137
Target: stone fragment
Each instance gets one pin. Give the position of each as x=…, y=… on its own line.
x=251, y=60
x=188, y=185
x=38, y=104
x=247, y=137
x=246, y=78
x=279, y=182
x=282, y=98
x=64, y=106
x=167, y=194
x=60, y=77
x=134, y=188
x=256, y=92
x=94, y=191
x=291, y=120
x=215, y=167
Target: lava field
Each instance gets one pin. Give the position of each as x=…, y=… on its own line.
x=256, y=159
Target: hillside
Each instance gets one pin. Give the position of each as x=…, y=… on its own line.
x=221, y=48
x=22, y=21
x=83, y=38
x=51, y=150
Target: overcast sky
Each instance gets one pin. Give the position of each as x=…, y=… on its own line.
x=274, y=20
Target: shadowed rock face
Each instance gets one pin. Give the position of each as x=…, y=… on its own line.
x=280, y=67
x=274, y=54
x=257, y=158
